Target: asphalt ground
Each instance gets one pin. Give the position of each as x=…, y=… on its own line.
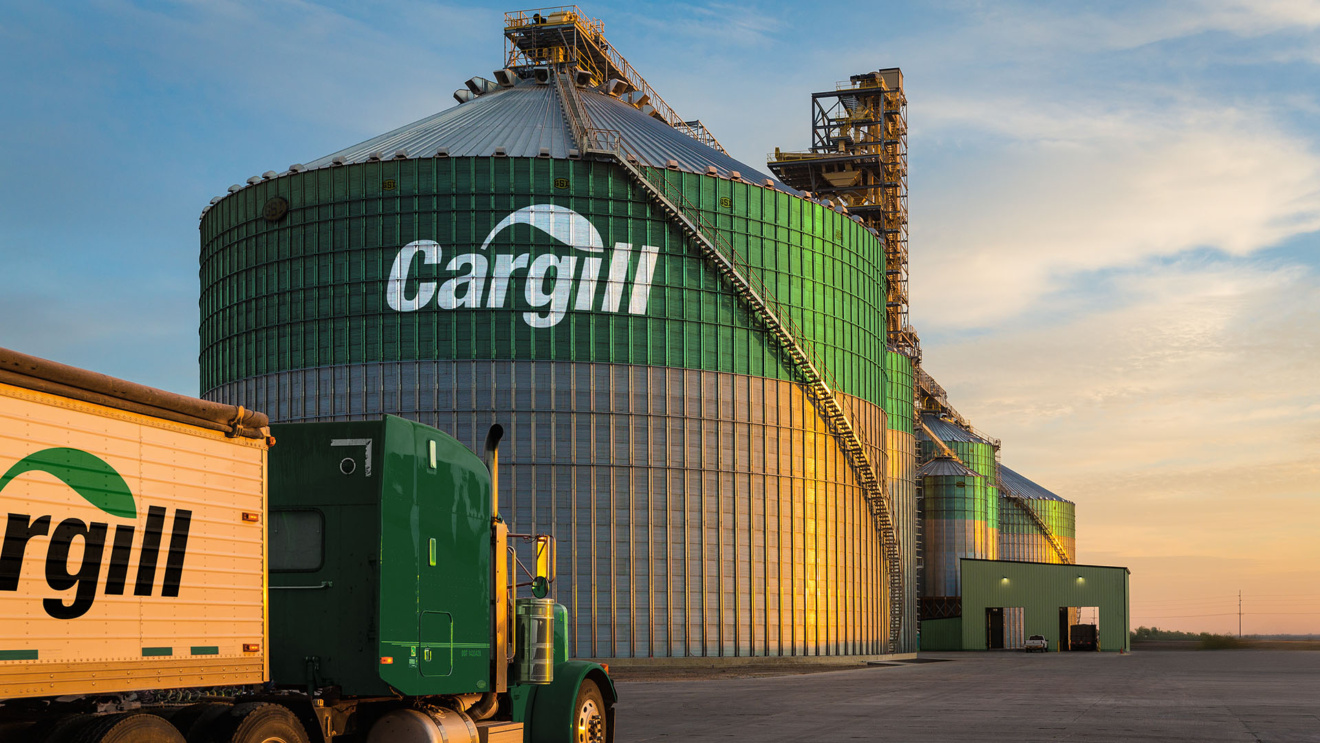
x=1148, y=695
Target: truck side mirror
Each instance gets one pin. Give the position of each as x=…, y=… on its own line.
x=545, y=565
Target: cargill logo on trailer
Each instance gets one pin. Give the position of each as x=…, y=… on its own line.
x=102, y=486
x=550, y=283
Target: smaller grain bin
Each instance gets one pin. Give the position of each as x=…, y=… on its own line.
x=958, y=522
x=1020, y=537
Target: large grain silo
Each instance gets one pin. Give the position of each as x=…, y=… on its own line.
x=686, y=356
x=901, y=450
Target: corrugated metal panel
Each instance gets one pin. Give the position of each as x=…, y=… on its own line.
x=656, y=142
x=310, y=290
x=186, y=485
x=1020, y=486
x=961, y=520
x=943, y=466
x=941, y=634
x=522, y=120
x=901, y=448
x=527, y=117
x=1020, y=538
x=697, y=513
x=949, y=431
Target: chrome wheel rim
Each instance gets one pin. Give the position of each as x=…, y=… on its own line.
x=590, y=723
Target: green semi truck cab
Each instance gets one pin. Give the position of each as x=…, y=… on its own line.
x=391, y=576
x=384, y=532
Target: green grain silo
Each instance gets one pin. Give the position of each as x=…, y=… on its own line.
x=493, y=264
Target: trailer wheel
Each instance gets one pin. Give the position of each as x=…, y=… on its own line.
x=136, y=727
x=589, y=723
x=258, y=722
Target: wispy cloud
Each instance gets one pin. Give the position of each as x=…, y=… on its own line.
x=729, y=26
x=1085, y=191
x=1070, y=29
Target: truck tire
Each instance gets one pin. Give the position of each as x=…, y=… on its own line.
x=257, y=722
x=58, y=730
x=193, y=720
x=589, y=723
x=131, y=727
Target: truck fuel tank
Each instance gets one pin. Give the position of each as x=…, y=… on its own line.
x=535, y=657
x=423, y=725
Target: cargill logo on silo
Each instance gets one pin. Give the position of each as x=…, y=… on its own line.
x=550, y=283
x=102, y=486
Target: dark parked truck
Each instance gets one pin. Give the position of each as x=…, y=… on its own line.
x=1083, y=637
x=172, y=574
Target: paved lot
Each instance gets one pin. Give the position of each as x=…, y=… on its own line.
x=1229, y=695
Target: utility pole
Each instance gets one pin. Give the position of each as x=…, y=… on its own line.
x=1239, y=613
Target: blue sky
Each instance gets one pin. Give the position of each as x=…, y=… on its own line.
x=1114, y=218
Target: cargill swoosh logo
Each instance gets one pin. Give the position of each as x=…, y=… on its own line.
x=101, y=485
x=87, y=474
x=561, y=223
x=596, y=280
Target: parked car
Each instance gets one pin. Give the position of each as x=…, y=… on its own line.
x=1037, y=643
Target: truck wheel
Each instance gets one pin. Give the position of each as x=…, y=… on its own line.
x=589, y=712
x=137, y=727
x=193, y=720
x=59, y=730
x=258, y=722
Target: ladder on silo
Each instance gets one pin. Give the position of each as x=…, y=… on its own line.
x=747, y=286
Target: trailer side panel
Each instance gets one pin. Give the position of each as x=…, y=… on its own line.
x=133, y=554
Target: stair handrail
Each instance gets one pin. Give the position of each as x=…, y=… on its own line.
x=820, y=385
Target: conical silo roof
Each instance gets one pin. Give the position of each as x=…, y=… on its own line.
x=950, y=431
x=945, y=467
x=527, y=117
x=1015, y=484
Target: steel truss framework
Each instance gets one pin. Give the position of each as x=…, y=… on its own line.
x=859, y=157
x=562, y=37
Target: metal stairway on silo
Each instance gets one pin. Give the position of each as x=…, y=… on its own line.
x=748, y=287
x=1040, y=524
